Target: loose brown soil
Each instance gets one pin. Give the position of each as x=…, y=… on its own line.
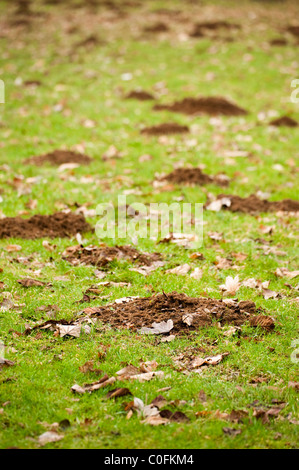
x=161, y=307
x=253, y=204
x=166, y=128
x=41, y=226
x=279, y=42
x=59, y=157
x=193, y=176
x=294, y=30
x=200, y=29
x=156, y=28
x=101, y=256
x=140, y=95
x=284, y=121
x=212, y=106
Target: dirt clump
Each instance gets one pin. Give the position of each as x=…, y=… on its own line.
x=200, y=312
x=212, y=106
x=284, y=121
x=166, y=128
x=200, y=29
x=59, y=157
x=59, y=224
x=102, y=255
x=194, y=176
x=279, y=42
x=156, y=28
x=254, y=204
x=140, y=95
x=293, y=30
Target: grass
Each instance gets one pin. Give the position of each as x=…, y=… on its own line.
x=87, y=84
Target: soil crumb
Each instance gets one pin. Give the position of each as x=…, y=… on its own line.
x=253, y=204
x=212, y=106
x=59, y=224
x=202, y=312
x=140, y=95
x=59, y=157
x=194, y=176
x=284, y=121
x=166, y=128
x=102, y=255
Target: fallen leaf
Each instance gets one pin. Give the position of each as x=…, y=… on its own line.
x=48, y=437
x=177, y=416
x=11, y=248
x=88, y=367
x=103, y=382
x=284, y=272
x=231, y=431
x=167, y=339
x=231, y=285
x=196, y=274
x=263, y=321
x=147, y=376
x=155, y=420
x=180, y=270
x=69, y=330
x=28, y=282
x=118, y=392
x=158, y=328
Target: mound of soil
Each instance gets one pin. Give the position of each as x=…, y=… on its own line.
x=140, y=95
x=279, y=42
x=193, y=176
x=200, y=28
x=58, y=157
x=101, y=256
x=156, y=28
x=253, y=204
x=165, y=129
x=284, y=121
x=212, y=106
x=140, y=312
x=294, y=30
x=41, y=226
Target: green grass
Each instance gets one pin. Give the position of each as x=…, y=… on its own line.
x=38, y=385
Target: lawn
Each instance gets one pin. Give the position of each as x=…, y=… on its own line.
x=67, y=68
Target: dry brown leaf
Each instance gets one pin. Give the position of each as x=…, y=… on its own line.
x=263, y=321
x=284, y=272
x=69, y=330
x=231, y=285
x=118, y=392
x=48, y=437
x=155, y=420
x=28, y=282
x=11, y=248
x=158, y=328
x=181, y=270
